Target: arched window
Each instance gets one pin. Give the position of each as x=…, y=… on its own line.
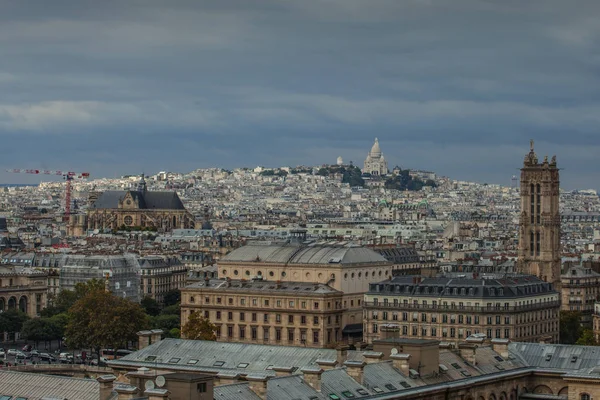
x=585, y=396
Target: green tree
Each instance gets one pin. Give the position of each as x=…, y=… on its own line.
x=66, y=298
x=323, y=172
x=587, y=338
x=12, y=320
x=174, y=333
x=172, y=297
x=103, y=320
x=199, y=328
x=570, y=327
x=171, y=310
x=166, y=322
x=151, y=306
x=40, y=329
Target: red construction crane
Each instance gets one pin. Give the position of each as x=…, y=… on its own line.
x=68, y=176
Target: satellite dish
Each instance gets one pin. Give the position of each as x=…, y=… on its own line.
x=160, y=381
x=149, y=385
x=394, y=351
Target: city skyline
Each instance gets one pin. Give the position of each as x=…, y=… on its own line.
x=117, y=88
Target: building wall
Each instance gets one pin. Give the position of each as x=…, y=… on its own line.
x=28, y=293
x=454, y=320
x=272, y=316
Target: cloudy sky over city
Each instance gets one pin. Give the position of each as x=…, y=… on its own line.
x=458, y=87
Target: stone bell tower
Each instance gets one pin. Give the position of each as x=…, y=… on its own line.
x=539, y=231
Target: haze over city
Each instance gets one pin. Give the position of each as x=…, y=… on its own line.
x=457, y=88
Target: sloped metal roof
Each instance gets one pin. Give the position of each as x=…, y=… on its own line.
x=237, y=391
x=37, y=386
x=199, y=355
x=293, y=388
x=303, y=254
x=556, y=356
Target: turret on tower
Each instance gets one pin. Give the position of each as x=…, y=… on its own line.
x=539, y=230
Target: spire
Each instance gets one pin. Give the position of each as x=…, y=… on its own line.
x=142, y=185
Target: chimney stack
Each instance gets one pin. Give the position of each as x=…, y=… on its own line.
x=500, y=346
x=356, y=370
x=312, y=376
x=373, y=356
x=106, y=386
x=468, y=352
x=258, y=384
x=227, y=378
x=283, y=371
x=401, y=362
x=342, y=354
x=126, y=392
x=326, y=365
x=157, y=394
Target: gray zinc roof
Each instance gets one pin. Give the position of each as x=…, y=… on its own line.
x=37, y=386
x=305, y=254
x=199, y=355
x=556, y=356
x=298, y=288
x=237, y=391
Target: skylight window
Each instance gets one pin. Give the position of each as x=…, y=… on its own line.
x=348, y=394
x=377, y=389
x=334, y=396
x=362, y=392
x=219, y=363
x=149, y=358
x=242, y=365
x=455, y=365
x=192, y=362
x=499, y=358
x=174, y=360
x=404, y=384
x=389, y=386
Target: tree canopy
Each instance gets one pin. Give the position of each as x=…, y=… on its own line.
x=403, y=181
x=172, y=297
x=150, y=306
x=41, y=329
x=587, y=338
x=102, y=320
x=66, y=298
x=12, y=320
x=199, y=328
x=570, y=327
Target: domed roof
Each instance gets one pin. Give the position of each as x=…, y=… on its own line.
x=375, y=150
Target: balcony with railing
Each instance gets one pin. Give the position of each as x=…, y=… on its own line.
x=449, y=308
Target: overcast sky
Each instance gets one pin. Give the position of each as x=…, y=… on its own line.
x=458, y=87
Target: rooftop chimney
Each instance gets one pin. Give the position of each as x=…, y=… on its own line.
x=157, y=394
x=312, y=376
x=126, y=392
x=258, y=384
x=106, y=386
x=356, y=370
x=227, y=378
x=326, y=365
x=400, y=361
x=283, y=371
x=468, y=352
x=373, y=356
x=342, y=353
x=500, y=346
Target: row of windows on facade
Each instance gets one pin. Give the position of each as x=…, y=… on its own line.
x=278, y=303
x=457, y=291
x=278, y=318
x=291, y=334
x=434, y=303
x=462, y=332
x=161, y=271
x=351, y=275
x=424, y=317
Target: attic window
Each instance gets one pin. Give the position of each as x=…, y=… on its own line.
x=150, y=358
x=269, y=368
x=377, y=389
x=548, y=357
x=389, y=386
x=499, y=358
x=219, y=363
x=348, y=394
x=466, y=373
x=362, y=392
x=404, y=384
x=174, y=360
x=334, y=396
x=242, y=365
x=192, y=362
x=455, y=365
x=500, y=367
x=573, y=359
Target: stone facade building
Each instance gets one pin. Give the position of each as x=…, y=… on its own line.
x=161, y=274
x=139, y=208
x=519, y=308
x=346, y=268
x=375, y=163
x=580, y=290
x=539, y=231
x=23, y=288
x=257, y=311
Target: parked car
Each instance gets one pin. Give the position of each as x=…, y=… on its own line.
x=34, y=353
x=22, y=356
x=12, y=352
x=2, y=353
x=47, y=357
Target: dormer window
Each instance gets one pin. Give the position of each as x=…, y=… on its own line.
x=492, y=292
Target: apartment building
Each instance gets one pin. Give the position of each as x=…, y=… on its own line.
x=161, y=274
x=453, y=307
x=267, y=312
x=580, y=290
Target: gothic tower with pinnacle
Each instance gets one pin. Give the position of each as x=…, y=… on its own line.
x=539, y=231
